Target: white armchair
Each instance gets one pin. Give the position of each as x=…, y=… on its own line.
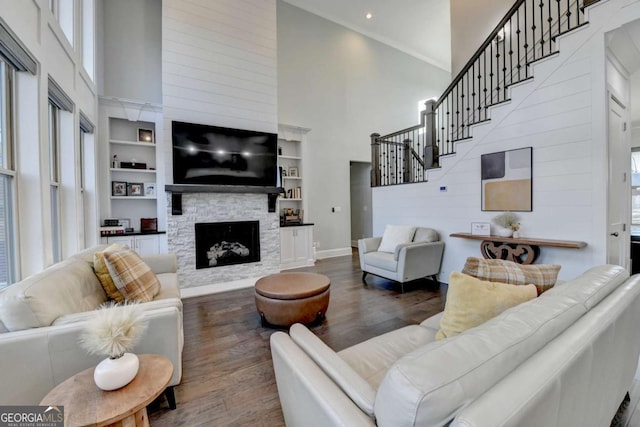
x=419, y=256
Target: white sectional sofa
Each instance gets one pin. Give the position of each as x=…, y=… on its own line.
x=566, y=358
x=42, y=316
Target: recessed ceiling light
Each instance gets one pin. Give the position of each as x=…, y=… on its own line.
x=368, y=15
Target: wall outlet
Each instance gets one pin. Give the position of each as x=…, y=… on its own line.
x=443, y=189
x=336, y=209
x=316, y=245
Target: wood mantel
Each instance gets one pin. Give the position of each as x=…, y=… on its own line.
x=523, y=250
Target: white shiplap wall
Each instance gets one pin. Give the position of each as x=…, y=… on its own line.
x=219, y=63
x=562, y=115
x=219, y=67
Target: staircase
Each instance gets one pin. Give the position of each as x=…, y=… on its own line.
x=526, y=35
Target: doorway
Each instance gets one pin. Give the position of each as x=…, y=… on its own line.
x=361, y=216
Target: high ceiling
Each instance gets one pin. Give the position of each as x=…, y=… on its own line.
x=418, y=27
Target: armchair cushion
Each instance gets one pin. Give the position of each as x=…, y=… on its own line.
x=424, y=234
x=395, y=235
x=471, y=302
x=383, y=260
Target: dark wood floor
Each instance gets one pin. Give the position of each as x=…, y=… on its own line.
x=228, y=375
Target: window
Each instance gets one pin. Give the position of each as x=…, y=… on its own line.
x=88, y=30
x=7, y=178
x=64, y=14
x=54, y=179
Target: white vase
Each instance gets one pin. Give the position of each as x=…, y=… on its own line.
x=503, y=231
x=516, y=235
x=111, y=374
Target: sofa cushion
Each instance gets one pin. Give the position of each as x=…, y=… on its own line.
x=430, y=385
x=66, y=287
x=497, y=270
x=133, y=278
x=383, y=260
x=471, y=302
x=371, y=359
x=100, y=267
x=395, y=235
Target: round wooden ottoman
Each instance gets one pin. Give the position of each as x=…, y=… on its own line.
x=283, y=299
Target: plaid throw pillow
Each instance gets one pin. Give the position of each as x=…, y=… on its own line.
x=131, y=275
x=543, y=276
x=102, y=272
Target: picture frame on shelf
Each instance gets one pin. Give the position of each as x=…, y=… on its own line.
x=145, y=135
x=481, y=228
x=150, y=189
x=135, y=189
x=293, y=172
x=118, y=188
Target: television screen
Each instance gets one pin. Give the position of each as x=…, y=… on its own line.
x=222, y=156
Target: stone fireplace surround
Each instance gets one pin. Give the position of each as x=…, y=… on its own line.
x=219, y=207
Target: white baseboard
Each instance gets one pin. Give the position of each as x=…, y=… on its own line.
x=216, y=288
x=330, y=253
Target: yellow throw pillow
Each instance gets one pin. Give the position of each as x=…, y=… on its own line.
x=131, y=275
x=100, y=267
x=471, y=302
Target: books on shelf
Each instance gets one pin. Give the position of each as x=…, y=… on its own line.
x=112, y=230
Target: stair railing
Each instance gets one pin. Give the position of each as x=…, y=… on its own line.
x=526, y=34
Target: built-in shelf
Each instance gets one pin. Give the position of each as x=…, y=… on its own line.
x=289, y=200
x=291, y=177
x=290, y=157
x=132, y=170
x=134, y=198
x=135, y=143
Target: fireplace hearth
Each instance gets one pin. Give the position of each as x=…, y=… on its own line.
x=227, y=243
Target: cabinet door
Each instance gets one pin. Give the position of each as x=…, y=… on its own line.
x=302, y=243
x=287, y=245
x=147, y=245
x=122, y=240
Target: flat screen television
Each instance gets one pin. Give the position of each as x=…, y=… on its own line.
x=212, y=155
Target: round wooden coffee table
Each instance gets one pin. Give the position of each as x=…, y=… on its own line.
x=86, y=405
x=283, y=299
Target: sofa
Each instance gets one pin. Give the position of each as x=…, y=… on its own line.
x=42, y=316
x=565, y=358
x=419, y=257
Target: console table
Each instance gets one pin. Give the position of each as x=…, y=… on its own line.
x=523, y=250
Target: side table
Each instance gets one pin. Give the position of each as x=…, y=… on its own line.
x=86, y=405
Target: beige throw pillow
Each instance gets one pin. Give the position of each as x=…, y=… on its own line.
x=543, y=276
x=471, y=302
x=102, y=272
x=131, y=275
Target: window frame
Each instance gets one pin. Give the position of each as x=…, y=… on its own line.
x=54, y=180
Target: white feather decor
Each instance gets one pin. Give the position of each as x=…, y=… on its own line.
x=114, y=330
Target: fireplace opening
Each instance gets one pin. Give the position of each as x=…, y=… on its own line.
x=227, y=243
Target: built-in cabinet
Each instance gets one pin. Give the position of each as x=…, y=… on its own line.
x=296, y=246
x=144, y=244
x=132, y=167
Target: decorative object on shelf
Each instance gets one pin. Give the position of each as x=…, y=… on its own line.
x=297, y=193
x=290, y=193
x=279, y=151
x=293, y=171
x=114, y=331
x=133, y=165
x=111, y=222
x=118, y=188
x=149, y=189
x=148, y=225
x=134, y=189
x=481, y=228
x=506, y=223
x=114, y=161
x=507, y=180
x=145, y=135
x=291, y=216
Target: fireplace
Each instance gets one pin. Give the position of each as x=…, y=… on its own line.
x=227, y=243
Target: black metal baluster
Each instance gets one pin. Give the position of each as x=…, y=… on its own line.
x=504, y=63
x=550, y=20
x=533, y=28
x=468, y=109
x=541, y=28
x=577, y=13
x=518, y=45
x=510, y=57
x=457, y=128
x=559, y=20
x=568, y=15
